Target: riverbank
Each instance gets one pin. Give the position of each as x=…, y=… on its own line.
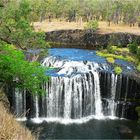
x=10, y=129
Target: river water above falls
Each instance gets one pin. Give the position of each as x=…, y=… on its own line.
x=82, y=89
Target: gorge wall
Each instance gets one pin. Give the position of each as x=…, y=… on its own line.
x=86, y=39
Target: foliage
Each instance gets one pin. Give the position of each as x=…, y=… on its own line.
x=15, y=26
x=114, y=52
x=112, y=49
x=110, y=10
x=110, y=60
x=138, y=67
x=126, y=58
x=92, y=25
x=138, y=53
x=13, y=67
x=16, y=35
x=133, y=47
x=118, y=70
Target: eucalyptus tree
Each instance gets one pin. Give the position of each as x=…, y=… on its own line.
x=16, y=35
x=15, y=27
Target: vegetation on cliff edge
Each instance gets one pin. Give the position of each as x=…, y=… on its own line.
x=130, y=54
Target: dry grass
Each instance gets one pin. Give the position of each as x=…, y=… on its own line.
x=56, y=25
x=103, y=27
x=10, y=129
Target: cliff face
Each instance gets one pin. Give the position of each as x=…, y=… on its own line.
x=89, y=39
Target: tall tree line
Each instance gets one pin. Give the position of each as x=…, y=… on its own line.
x=116, y=11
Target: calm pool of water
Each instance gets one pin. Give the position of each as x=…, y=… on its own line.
x=93, y=129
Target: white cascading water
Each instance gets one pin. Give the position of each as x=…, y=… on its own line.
x=19, y=100
x=74, y=93
x=68, y=98
x=113, y=104
x=20, y=104
x=36, y=107
x=97, y=95
x=71, y=105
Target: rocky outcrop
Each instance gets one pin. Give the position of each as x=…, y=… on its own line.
x=88, y=39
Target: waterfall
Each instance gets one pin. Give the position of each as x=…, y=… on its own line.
x=76, y=89
x=20, y=103
x=36, y=107
x=113, y=104
x=67, y=98
x=98, y=102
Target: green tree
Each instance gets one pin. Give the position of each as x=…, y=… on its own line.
x=14, y=69
x=15, y=27
x=17, y=35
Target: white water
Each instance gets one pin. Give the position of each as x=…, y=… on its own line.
x=113, y=104
x=73, y=67
x=74, y=97
x=97, y=96
x=36, y=107
x=20, y=103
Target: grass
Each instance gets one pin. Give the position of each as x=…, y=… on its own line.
x=10, y=129
x=103, y=26
x=115, y=56
x=114, y=52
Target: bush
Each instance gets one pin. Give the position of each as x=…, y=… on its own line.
x=112, y=49
x=29, y=75
x=92, y=25
x=110, y=60
x=138, y=67
x=118, y=70
x=138, y=53
x=133, y=47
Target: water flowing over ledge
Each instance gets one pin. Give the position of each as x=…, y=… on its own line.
x=83, y=86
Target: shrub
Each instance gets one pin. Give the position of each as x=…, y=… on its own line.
x=92, y=25
x=112, y=49
x=28, y=75
x=138, y=67
x=132, y=47
x=118, y=70
x=138, y=52
x=110, y=60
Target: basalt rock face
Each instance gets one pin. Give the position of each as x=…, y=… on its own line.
x=89, y=39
